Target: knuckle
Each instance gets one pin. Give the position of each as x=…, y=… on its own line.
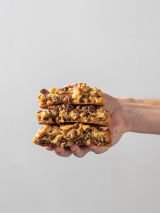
x=79, y=155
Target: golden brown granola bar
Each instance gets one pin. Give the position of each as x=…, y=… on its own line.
x=72, y=113
x=79, y=93
x=66, y=135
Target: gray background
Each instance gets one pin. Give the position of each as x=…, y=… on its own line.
x=113, y=45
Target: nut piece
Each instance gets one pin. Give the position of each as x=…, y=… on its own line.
x=44, y=91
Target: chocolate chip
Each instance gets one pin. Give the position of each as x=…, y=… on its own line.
x=82, y=98
x=53, y=119
x=45, y=118
x=91, y=108
x=63, y=140
x=43, y=134
x=43, y=142
x=44, y=91
x=100, y=129
x=69, y=108
x=79, y=142
x=53, y=137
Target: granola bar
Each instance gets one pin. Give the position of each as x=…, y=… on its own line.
x=79, y=93
x=66, y=135
x=72, y=113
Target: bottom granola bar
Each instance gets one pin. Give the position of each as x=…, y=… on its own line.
x=67, y=135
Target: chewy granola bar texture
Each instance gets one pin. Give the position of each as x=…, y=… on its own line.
x=72, y=113
x=66, y=135
x=79, y=93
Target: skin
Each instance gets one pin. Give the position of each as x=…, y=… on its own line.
x=117, y=128
x=128, y=115
x=143, y=116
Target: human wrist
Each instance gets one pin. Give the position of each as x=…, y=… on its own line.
x=126, y=106
x=140, y=117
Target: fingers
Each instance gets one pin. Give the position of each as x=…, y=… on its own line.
x=79, y=152
x=49, y=148
x=59, y=151
x=63, y=152
x=70, y=85
x=97, y=149
x=75, y=149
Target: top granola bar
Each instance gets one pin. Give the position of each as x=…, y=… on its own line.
x=79, y=93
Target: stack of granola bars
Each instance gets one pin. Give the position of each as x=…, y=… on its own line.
x=71, y=115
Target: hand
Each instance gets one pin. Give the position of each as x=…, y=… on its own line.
x=118, y=127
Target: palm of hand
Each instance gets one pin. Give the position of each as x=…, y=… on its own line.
x=117, y=128
x=118, y=124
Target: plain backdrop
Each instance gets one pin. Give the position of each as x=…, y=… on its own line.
x=111, y=44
